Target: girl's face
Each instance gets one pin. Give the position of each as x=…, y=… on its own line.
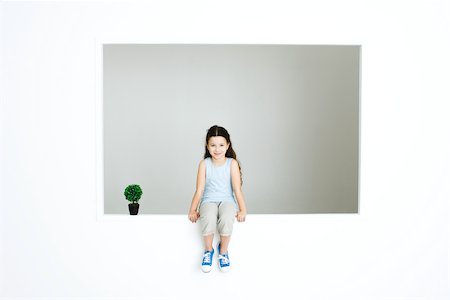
x=217, y=146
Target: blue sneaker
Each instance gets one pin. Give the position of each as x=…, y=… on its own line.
x=207, y=261
x=224, y=261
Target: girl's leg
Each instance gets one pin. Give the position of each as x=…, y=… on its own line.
x=208, y=221
x=224, y=241
x=208, y=241
x=227, y=213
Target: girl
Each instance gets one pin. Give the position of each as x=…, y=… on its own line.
x=219, y=175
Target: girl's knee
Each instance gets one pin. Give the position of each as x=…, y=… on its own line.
x=225, y=229
x=225, y=225
x=208, y=226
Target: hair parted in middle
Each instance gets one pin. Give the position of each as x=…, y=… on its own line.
x=220, y=131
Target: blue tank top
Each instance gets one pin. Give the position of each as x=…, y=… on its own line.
x=218, y=186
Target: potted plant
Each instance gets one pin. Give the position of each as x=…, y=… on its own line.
x=133, y=193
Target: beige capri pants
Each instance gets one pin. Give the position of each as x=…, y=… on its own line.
x=217, y=215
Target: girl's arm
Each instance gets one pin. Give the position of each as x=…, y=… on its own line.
x=201, y=175
x=236, y=182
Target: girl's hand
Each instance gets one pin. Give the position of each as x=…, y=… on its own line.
x=240, y=216
x=193, y=216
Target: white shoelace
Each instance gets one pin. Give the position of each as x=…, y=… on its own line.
x=207, y=257
x=226, y=260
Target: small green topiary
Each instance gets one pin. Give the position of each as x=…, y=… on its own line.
x=133, y=193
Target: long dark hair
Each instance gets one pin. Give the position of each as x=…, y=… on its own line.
x=220, y=131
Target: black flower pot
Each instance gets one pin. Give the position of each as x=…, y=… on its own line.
x=134, y=208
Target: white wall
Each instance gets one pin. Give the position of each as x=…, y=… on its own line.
x=53, y=244
x=292, y=112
